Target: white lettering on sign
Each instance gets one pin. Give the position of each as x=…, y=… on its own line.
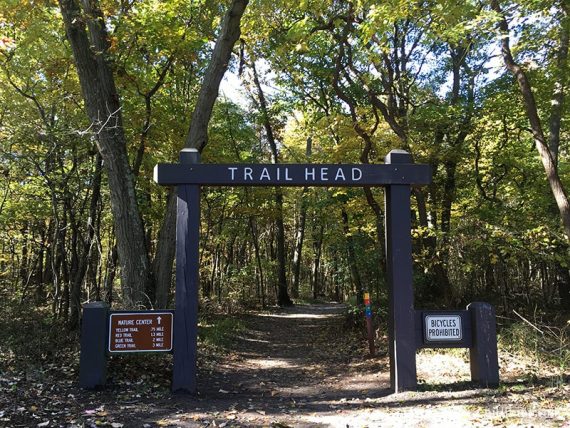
x=233, y=171
x=356, y=174
x=145, y=331
x=443, y=328
x=247, y=173
x=283, y=173
x=264, y=174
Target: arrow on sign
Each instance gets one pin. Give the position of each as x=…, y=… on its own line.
x=158, y=319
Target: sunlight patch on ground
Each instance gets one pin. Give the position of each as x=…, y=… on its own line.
x=250, y=339
x=321, y=316
x=270, y=363
x=356, y=385
x=455, y=416
x=443, y=366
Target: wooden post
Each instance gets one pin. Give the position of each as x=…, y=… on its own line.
x=187, y=281
x=402, y=341
x=94, y=339
x=483, y=355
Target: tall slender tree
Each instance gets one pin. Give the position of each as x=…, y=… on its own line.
x=197, y=138
x=547, y=157
x=89, y=40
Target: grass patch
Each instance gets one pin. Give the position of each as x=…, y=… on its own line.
x=543, y=348
x=219, y=332
x=30, y=337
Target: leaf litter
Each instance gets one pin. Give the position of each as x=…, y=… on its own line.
x=297, y=367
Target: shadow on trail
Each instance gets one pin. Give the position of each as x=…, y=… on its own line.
x=299, y=367
x=292, y=351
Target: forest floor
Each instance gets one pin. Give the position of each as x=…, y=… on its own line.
x=295, y=367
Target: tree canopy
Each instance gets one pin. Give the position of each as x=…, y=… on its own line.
x=93, y=94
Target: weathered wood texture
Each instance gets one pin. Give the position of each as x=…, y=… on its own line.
x=94, y=338
x=187, y=282
x=483, y=352
x=402, y=339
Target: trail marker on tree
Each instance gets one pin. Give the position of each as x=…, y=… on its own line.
x=408, y=329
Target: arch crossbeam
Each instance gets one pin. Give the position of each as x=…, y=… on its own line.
x=292, y=174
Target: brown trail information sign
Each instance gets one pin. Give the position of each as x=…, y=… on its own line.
x=140, y=332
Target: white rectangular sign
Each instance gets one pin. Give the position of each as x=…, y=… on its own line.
x=442, y=328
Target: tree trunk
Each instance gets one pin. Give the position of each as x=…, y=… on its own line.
x=283, y=298
x=104, y=110
x=165, y=253
x=298, y=249
x=112, y=259
x=255, y=240
x=557, y=101
x=563, y=279
x=548, y=161
x=198, y=133
x=300, y=232
x=83, y=255
x=317, y=253
x=354, y=273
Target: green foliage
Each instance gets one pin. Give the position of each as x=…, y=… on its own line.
x=545, y=345
x=219, y=332
x=502, y=240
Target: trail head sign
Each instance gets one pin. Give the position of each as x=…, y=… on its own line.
x=291, y=174
x=443, y=328
x=140, y=331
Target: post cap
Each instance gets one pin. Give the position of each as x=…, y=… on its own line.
x=189, y=155
x=398, y=156
x=96, y=305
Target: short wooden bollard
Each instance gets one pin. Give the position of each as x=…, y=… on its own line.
x=483, y=353
x=94, y=339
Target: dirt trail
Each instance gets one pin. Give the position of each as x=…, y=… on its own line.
x=301, y=353
x=300, y=367
x=287, y=368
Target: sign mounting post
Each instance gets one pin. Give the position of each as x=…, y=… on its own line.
x=187, y=280
x=401, y=316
